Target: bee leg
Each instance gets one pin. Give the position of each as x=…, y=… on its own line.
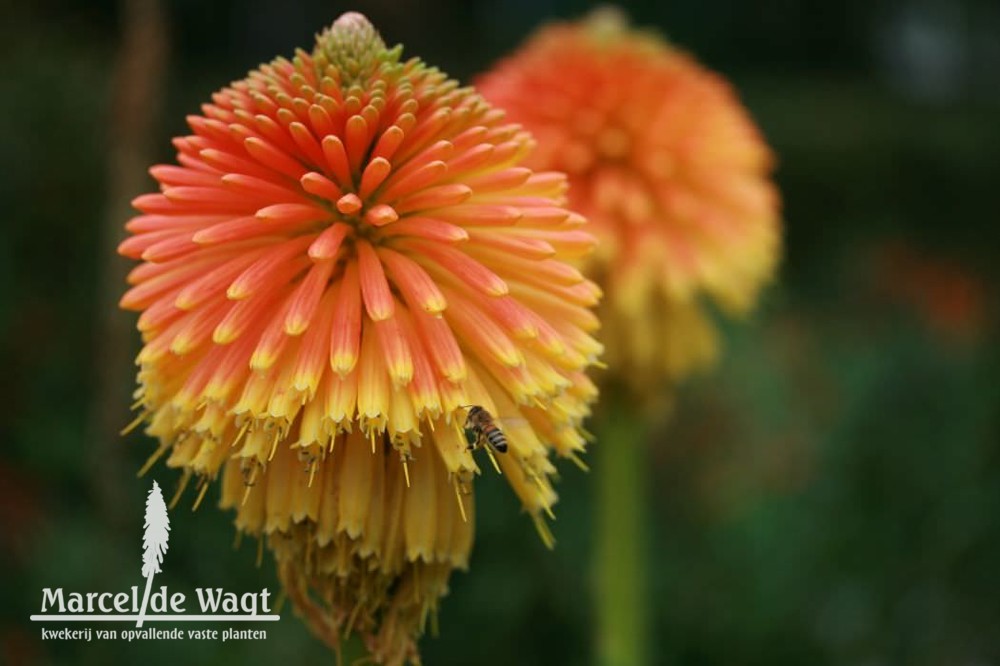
x=471, y=437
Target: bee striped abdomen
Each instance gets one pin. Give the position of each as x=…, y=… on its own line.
x=497, y=440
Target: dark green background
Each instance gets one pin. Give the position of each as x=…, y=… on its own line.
x=830, y=495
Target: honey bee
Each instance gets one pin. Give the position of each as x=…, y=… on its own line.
x=480, y=428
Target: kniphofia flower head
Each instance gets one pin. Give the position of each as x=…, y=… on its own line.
x=346, y=257
x=668, y=167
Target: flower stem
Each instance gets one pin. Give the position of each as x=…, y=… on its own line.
x=620, y=573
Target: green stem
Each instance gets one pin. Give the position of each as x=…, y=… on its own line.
x=620, y=572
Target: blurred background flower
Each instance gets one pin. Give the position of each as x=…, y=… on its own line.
x=674, y=177
x=827, y=495
x=671, y=172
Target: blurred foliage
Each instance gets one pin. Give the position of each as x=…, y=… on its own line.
x=828, y=495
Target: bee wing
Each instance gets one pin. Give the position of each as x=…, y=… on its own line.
x=513, y=422
x=519, y=432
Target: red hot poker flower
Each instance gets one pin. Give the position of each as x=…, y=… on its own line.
x=349, y=255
